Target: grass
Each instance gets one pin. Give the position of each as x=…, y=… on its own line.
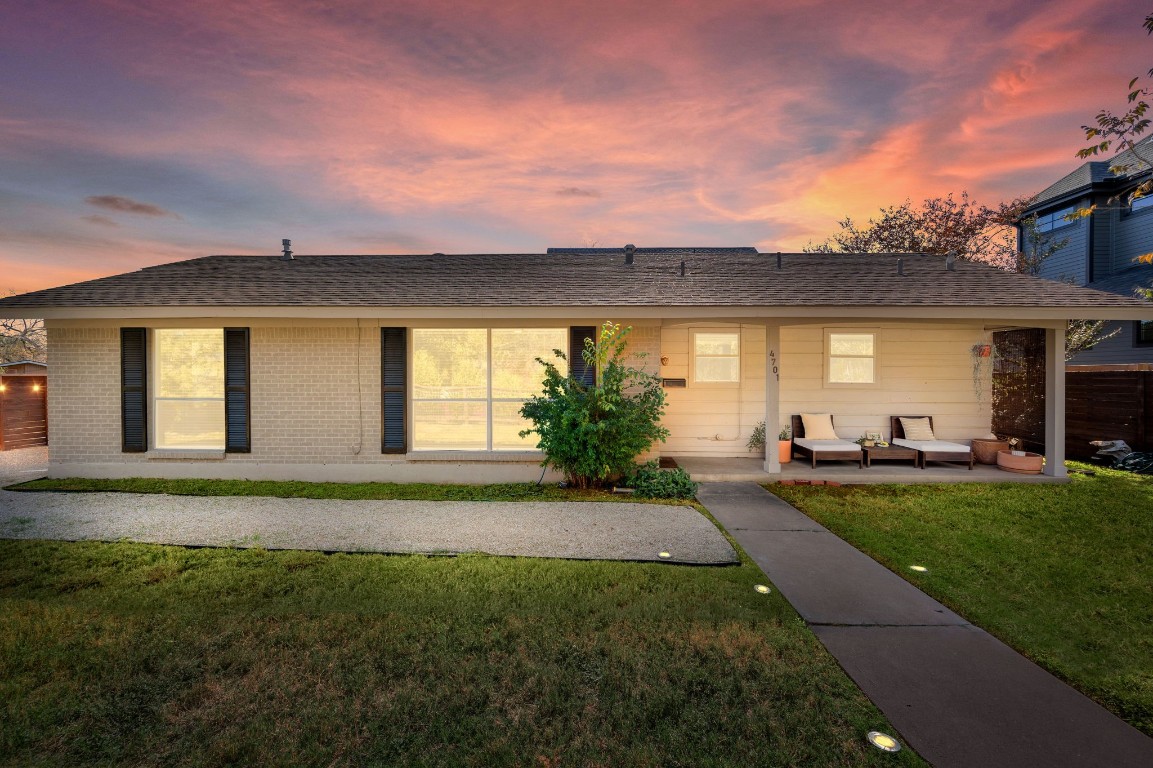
x=138, y=654
x=295, y=489
x=1062, y=573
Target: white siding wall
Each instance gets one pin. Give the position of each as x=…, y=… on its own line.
x=924, y=370
x=713, y=420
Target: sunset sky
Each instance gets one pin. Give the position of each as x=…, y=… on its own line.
x=136, y=133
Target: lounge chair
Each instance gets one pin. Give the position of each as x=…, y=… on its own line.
x=843, y=450
x=931, y=450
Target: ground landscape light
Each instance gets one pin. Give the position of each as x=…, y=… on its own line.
x=762, y=589
x=664, y=555
x=883, y=741
x=918, y=568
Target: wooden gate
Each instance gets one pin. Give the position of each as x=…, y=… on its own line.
x=23, y=411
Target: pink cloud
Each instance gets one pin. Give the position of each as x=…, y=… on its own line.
x=473, y=127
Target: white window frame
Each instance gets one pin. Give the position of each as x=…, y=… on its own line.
x=828, y=356
x=153, y=353
x=693, y=357
x=488, y=399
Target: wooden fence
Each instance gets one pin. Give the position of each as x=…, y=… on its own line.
x=1107, y=405
x=1101, y=402
x=23, y=411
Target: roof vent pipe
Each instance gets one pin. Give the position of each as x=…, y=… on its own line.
x=682, y=269
x=900, y=267
x=630, y=251
x=778, y=259
x=286, y=255
x=951, y=261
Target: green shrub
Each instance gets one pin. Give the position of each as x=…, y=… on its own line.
x=594, y=434
x=652, y=482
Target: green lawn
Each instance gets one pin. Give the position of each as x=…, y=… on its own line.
x=287, y=489
x=132, y=654
x=1063, y=573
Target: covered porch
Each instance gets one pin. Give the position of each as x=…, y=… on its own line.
x=916, y=366
x=708, y=469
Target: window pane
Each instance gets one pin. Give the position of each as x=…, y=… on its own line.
x=449, y=363
x=851, y=370
x=190, y=424
x=717, y=343
x=449, y=426
x=515, y=371
x=506, y=424
x=190, y=362
x=851, y=344
x=718, y=369
x=1145, y=331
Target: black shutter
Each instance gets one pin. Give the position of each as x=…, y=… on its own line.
x=585, y=374
x=134, y=390
x=393, y=375
x=237, y=401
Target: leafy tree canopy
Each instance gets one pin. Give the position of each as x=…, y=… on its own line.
x=940, y=225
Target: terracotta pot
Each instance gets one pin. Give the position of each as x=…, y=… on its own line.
x=985, y=451
x=1029, y=464
x=785, y=447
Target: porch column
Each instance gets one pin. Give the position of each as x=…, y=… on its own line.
x=1055, y=402
x=772, y=397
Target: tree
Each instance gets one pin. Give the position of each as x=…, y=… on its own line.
x=972, y=231
x=1120, y=133
x=593, y=434
x=23, y=339
x=941, y=225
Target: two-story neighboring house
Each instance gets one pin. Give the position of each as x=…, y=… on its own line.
x=1101, y=250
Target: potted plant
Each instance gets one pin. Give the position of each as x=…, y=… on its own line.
x=785, y=445
x=1022, y=462
x=757, y=439
x=784, y=442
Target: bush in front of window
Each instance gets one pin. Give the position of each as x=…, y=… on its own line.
x=593, y=434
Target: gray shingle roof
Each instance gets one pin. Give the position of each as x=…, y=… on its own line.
x=712, y=278
x=1095, y=172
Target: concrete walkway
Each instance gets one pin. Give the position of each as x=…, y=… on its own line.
x=957, y=695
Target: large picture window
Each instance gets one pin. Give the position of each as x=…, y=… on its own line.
x=468, y=385
x=851, y=358
x=188, y=376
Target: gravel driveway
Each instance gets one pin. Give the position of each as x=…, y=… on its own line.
x=574, y=530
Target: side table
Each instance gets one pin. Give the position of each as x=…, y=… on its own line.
x=888, y=453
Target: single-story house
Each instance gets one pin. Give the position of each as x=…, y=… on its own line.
x=413, y=367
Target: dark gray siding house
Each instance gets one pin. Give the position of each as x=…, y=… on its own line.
x=1101, y=250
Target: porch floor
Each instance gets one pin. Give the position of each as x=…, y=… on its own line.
x=739, y=469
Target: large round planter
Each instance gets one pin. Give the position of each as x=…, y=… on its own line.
x=985, y=451
x=785, y=447
x=1029, y=464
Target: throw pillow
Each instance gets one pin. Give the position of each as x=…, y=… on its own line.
x=917, y=429
x=818, y=426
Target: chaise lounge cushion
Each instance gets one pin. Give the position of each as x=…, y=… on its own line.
x=818, y=426
x=918, y=428
x=819, y=446
x=934, y=446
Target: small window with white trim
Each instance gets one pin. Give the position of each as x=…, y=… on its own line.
x=850, y=358
x=716, y=357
